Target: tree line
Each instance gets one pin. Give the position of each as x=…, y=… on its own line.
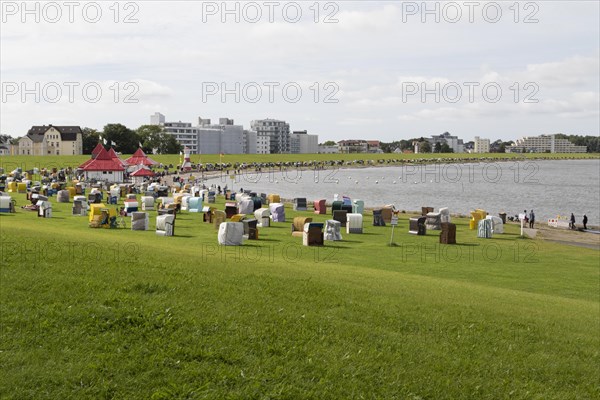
x=153, y=138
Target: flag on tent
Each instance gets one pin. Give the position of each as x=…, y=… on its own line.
x=112, y=143
x=139, y=144
x=100, y=138
x=104, y=141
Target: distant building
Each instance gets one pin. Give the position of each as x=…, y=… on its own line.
x=184, y=132
x=52, y=140
x=266, y=136
x=206, y=138
x=328, y=149
x=374, y=146
x=416, y=146
x=545, y=144
x=353, y=146
x=263, y=145
x=303, y=143
x=224, y=137
x=257, y=144
x=481, y=145
x=6, y=149
x=453, y=142
x=277, y=131
x=157, y=119
x=359, y=146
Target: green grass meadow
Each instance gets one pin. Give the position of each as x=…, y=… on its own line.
x=117, y=314
x=9, y=163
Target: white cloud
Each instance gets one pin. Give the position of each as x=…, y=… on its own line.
x=571, y=73
x=369, y=54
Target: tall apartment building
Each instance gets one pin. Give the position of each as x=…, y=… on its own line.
x=184, y=132
x=277, y=131
x=157, y=119
x=255, y=144
x=266, y=136
x=545, y=144
x=303, y=143
x=224, y=137
x=481, y=145
x=204, y=137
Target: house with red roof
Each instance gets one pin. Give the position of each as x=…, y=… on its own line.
x=103, y=168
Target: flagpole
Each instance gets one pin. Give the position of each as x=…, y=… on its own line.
x=221, y=166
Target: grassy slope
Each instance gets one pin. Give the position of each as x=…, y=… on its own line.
x=29, y=162
x=113, y=313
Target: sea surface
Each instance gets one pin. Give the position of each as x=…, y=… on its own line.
x=551, y=187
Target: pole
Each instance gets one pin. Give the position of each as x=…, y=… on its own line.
x=522, y=222
x=392, y=238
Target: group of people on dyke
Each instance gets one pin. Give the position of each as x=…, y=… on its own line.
x=530, y=219
x=572, y=221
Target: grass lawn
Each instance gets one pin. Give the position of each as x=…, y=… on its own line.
x=9, y=163
x=102, y=314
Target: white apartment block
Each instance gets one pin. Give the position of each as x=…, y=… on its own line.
x=255, y=144
x=224, y=137
x=266, y=136
x=278, y=132
x=545, y=144
x=184, y=132
x=205, y=138
x=157, y=119
x=481, y=145
x=303, y=143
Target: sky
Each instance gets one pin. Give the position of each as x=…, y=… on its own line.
x=340, y=69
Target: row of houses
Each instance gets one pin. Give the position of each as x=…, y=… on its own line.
x=266, y=136
x=529, y=144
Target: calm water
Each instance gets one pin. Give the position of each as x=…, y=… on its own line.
x=551, y=188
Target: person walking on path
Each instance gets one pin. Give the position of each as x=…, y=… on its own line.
x=585, y=220
x=531, y=219
x=572, y=224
